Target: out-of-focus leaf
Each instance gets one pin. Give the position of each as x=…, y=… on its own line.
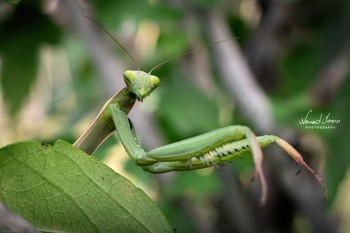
x=22, y=33
x=185, y=111
x=201, y=184
x=16, y=81
x=339, y=156
x=60, y=188
x=115, y=12
x=298, y=68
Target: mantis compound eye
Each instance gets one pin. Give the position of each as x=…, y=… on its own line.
x=129, y=77
x=154, y=80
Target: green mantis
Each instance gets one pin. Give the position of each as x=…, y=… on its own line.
x=210, y=149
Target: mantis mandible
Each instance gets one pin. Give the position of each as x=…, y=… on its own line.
x=209, y=149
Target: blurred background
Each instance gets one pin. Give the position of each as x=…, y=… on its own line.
x=284, y=59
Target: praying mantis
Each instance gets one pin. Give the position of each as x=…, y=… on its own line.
x=213, y=148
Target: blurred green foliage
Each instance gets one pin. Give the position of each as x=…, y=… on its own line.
x=339, y=147
x=22, y=34
x=311, y=41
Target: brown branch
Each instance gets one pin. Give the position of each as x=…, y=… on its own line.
x=234, y=70
x=11, y=222
x=331, y=77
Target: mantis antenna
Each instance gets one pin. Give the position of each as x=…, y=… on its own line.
x=162, y=63
x=120, y=45
x=191, y=51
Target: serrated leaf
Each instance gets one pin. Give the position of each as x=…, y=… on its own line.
x=60, y=188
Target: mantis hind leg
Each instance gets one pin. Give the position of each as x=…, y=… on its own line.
x=210, y=149
x=226, y=152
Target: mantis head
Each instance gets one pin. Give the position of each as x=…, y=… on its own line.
x=140, y=83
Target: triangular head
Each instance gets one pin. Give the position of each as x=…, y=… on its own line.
x=140, y=83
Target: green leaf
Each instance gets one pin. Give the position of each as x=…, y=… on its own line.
x=22, y=34
x=60, y=188
x=16, y=82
